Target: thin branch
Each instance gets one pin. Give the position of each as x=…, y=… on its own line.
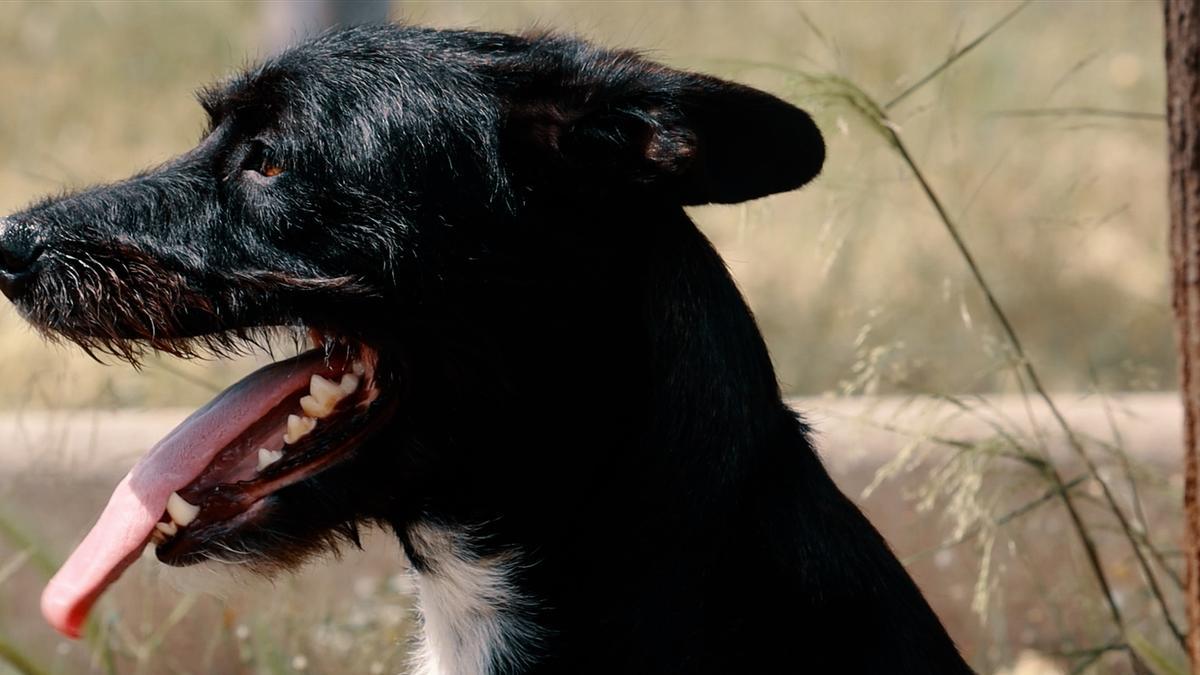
x=1081, y=111
x=1012, y=515
x=1090, y=656
x=1031, y=375
x=995, y=426
x=1139, y=513
x=955, y=56
x=1052, y=473
x=1026, y=366
x=13, y=657
x=188, y=377
x=854, y=97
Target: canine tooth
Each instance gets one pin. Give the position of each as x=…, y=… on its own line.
x=180, y=510
x=324, y=390
x=358, y=368
x=298, y=427
x=169, y=528
x=314, y=408
x=348, y=384
x=268, y=457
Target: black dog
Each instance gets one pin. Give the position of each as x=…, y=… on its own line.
x=528, y=362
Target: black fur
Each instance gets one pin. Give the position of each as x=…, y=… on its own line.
x=579, y=379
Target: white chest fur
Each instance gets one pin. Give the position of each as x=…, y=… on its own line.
x=473, y=619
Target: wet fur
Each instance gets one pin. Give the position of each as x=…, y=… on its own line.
x=583, y=388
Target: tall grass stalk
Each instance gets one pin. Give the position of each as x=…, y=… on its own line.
x=29, y=550
x=17, y=659
x=1025, y=365
x=841, y=90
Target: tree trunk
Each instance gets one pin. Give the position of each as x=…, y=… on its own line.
x=1183, y=124
x=288, y=21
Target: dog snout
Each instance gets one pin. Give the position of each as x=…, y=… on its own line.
x=20, y=249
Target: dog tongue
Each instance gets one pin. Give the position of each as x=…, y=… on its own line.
x=138, y=502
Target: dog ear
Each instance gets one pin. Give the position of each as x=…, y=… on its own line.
x=694, y=138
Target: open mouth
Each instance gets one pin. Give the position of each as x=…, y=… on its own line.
x=213, y=475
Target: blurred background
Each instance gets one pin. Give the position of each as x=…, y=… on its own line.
x=1042, y=135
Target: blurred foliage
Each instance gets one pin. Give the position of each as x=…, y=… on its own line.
x=1058, y=191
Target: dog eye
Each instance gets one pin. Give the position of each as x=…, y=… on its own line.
x=260, y=160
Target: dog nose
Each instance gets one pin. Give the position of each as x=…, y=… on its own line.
x=20, y=249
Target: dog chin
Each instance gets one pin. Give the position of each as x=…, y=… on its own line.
x=219, y=581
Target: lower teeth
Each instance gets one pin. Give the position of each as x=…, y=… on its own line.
x=268, y=457
x=180, y=510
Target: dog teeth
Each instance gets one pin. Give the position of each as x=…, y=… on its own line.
x=315, y=408
x=324, y=390
x=180, y=510
x=324, y=395
x=163, y=531
x=268, y=457
x=298, y=427
x=358, y=368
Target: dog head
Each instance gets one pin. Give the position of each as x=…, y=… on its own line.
x=365, y=190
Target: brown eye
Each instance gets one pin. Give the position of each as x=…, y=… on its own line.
x=260, y=160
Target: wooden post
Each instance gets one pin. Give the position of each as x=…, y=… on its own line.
x=1183, y=123
x=287, y=21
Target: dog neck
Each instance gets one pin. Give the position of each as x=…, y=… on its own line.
x=605, y=432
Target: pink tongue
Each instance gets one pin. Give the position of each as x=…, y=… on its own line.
x=138, y=502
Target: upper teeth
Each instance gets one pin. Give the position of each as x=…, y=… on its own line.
x=323, y=389
x=324, y=394
x=298, y=427
x=180, y=510
x=316, y=408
